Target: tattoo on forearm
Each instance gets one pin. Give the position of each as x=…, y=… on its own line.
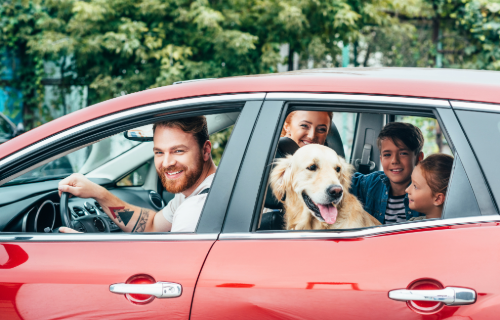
x=113, y=213
x=121, y=214
x=140, y=226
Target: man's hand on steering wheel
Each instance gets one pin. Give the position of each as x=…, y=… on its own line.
x=79, y=186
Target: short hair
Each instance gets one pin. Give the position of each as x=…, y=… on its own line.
x=436, y=170
x=407, y=133
x=195, y=125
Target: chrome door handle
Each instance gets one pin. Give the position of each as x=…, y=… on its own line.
x=451, y=296
x=159, y=289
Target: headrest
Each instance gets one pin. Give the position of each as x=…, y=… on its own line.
x=286, y=146
x=334, y=141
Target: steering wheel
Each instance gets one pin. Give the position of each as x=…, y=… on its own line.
x=89, y=223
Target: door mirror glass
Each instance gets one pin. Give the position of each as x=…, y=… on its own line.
x=144, y=133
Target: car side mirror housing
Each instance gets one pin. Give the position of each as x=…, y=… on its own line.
x=19, y=129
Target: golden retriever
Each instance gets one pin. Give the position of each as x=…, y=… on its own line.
x=313, y=186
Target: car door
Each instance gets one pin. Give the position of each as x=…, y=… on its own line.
x=348, y=274
x=60, y=276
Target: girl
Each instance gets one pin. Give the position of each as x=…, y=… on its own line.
x=427, y=191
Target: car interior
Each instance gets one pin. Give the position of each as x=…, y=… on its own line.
x=355, y=140
x=122, y=163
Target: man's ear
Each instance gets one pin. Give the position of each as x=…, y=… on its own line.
x=281, y=177
x=439, y=199
x=420, y=157
x=207, y=151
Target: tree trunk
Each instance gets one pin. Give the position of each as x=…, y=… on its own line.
x=355, y=51
x=290, y=57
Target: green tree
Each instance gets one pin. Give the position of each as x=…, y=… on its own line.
x=117, y=47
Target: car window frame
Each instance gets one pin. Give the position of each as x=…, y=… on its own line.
x=461, y=108
x=213, y=213
x=246, y=226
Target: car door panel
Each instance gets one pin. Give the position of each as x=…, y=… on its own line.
x=69, y=275
x=347, y=278
x=348, y=274
x=56, y=283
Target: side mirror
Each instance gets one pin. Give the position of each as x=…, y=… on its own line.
x=144, y=133
x=20, y=129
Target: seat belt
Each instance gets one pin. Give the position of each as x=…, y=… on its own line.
x=365, y=165
x=204, y=191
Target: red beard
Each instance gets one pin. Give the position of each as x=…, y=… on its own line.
x=189, y=178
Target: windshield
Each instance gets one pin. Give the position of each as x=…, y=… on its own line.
x=81, y=161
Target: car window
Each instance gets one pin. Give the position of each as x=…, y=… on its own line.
x=483, y=131
x=435, y=141
x=80, y=161
x=346, y=126
x=368, y=189
x=179, y=161
x=136, y=178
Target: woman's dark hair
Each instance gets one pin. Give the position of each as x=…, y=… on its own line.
x=195, y=125
x=436, y=170
x=403, y=132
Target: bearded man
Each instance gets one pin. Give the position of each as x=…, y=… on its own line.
x=183, y=161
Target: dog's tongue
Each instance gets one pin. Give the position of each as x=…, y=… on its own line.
x=328, y=212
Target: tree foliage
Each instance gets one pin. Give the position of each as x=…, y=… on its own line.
x=117, y=47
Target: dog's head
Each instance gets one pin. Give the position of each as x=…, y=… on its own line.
x=317, y=176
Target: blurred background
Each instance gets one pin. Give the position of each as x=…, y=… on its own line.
x=58, y=56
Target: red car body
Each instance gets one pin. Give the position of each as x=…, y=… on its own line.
x=225, y=276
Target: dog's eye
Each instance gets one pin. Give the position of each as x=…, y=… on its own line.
x=312, y=167
x=338, y=169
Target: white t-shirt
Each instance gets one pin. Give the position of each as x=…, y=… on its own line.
x=183, y=212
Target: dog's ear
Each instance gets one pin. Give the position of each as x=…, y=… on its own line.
x=280, y=177
x=346, y=173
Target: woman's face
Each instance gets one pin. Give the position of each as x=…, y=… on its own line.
x=308, y=127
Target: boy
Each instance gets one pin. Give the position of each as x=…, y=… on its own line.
x=383, y=192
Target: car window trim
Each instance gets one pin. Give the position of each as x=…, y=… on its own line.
x=66, y=237
x=8, y=162
x=130, y=113
x=475, y=106
x=360, y=233
x=453, y=130
x=214, y=210
x=289, y=100
x=358, y=99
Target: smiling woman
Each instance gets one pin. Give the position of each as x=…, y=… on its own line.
x=306, y=127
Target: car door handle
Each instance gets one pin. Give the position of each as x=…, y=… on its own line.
x=451, y=296
x=159, y=289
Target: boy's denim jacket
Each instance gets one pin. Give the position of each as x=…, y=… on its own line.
x=373, y=192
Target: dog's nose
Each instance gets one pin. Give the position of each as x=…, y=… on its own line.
x=335, y=191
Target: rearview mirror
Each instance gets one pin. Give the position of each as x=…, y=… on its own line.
x=144, y=133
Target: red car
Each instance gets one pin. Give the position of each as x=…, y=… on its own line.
x=240, y=264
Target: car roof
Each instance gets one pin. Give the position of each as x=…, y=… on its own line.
x=453, y=84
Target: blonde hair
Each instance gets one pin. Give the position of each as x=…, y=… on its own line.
x=290, y=116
